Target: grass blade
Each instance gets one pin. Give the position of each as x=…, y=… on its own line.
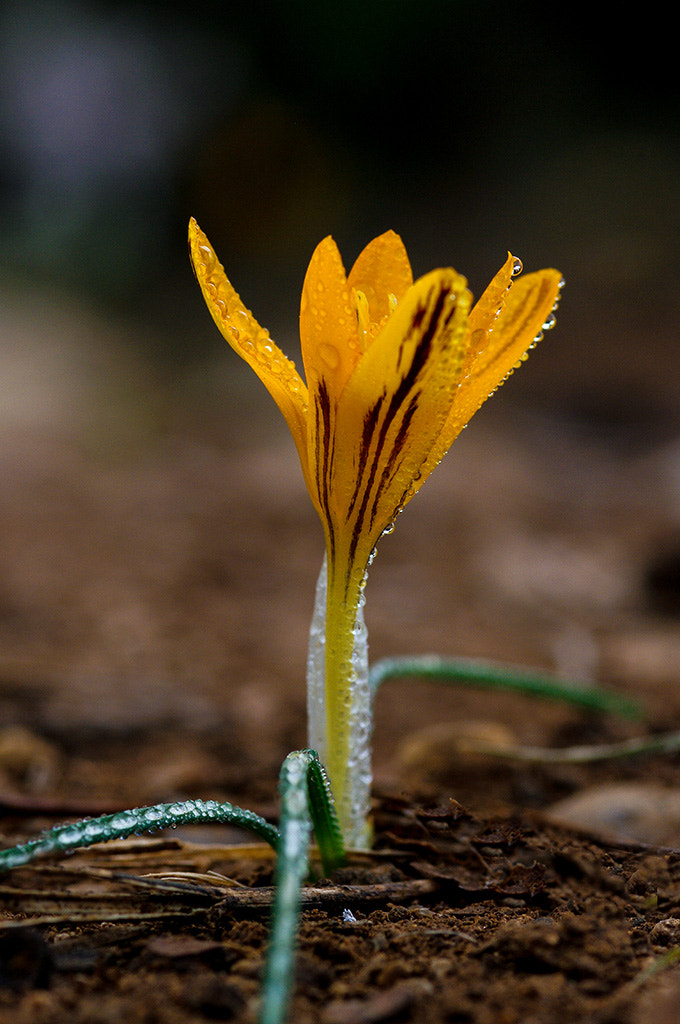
x=491, y=675
x=122, y=824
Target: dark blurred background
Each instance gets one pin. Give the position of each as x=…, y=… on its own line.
x=470, y=128
x=158, y=550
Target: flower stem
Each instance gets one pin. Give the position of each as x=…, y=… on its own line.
x=339, y=700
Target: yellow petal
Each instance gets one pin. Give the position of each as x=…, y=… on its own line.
x=393, y=408
x=252, y=342
x=488, y=305
x=503, y=326
x=381, y=270
x=526, y=308
x=328, y=323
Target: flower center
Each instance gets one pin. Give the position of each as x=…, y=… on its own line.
x=367, y=329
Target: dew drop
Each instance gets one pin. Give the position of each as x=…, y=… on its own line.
x=517, y=267
x=123, y=820
x=550, y=322
x=330, y=355
x=207, y=258
x=478, y=340
x=91, y=832
x=70, y=836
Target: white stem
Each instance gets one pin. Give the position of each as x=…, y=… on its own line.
x=354, y=812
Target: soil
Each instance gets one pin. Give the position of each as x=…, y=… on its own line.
x=156, y=583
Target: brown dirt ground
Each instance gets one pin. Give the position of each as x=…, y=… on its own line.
x=154, y=603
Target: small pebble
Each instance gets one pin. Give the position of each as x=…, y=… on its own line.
x=629, y=811
x=435, y=753
x=27, y=759
x=666, y=932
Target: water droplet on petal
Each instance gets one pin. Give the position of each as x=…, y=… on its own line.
x=517, y=267
x=478, y=340
x=330, y=355
x=550, y=322
x=207, y=258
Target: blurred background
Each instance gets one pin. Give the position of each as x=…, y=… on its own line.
x=469, y=128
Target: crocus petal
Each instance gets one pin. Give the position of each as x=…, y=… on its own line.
x=394, y=407
x=328, y=324
x=380, y=271
x=488, y=305
x=503, y=326
x=526, y=309
x=252, y=342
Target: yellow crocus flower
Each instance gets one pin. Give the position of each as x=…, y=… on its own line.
x=394, y=370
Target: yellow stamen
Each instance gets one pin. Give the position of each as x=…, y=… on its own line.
x=363, y=318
